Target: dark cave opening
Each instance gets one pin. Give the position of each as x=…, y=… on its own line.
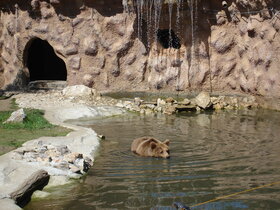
x=43, y=63
x=167, y=38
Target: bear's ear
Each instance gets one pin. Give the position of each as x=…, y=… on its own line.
x=153, y=145
x=166, y=142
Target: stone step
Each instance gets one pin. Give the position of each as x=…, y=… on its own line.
x=47, y=85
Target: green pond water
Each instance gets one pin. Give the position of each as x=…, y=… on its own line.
x=212, y=154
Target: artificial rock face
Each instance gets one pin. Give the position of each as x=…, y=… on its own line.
x=125, y=45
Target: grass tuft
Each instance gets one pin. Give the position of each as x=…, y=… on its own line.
x=13, y=135
x=34, y=120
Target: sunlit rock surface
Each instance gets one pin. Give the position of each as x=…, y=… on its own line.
x=118, y=45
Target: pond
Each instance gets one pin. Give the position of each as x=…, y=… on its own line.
x=212, y=154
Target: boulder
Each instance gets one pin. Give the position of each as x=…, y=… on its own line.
x=203, y=100
x=74, y=169
x=160, y=102
x=77, y=91
x=36, y=181
x=137, y=101
x=186, y=101
x=16, y=117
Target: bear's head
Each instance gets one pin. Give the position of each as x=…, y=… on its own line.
x=160, y=149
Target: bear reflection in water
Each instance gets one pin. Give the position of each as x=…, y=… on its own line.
x=150, y=147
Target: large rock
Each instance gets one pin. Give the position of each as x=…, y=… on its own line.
x=36, y=181
x=77, y=91
x=203, y=100
x=16, y=117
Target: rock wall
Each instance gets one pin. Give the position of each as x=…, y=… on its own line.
x=221, y=46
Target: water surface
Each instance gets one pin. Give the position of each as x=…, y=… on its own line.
x=212, y=154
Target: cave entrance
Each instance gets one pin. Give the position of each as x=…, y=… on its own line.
x=42, y=62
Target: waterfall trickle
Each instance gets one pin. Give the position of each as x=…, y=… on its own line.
x=193, y=4
x=157, y=8
x=178, y=15
x=192, y=22
x=139, y=5
x=149, y=7
x=170, y=8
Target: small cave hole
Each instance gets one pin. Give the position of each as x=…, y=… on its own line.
x=43, y=63
x=167, y=38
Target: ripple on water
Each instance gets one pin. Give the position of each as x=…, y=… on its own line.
x=212, y=154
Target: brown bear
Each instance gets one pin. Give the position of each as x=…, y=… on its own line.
x=150, y=147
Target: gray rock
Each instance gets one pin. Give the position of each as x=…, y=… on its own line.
x=203, y=100
x=63, y=149
x=79, y=162
x=89, y=160
x=36, y=181
x=186, y=101
x=42, y=149
x=77, y=91
x=137, y=101
x=16, y=117
x=82, y=164
x=160, y=102
x=74, y=169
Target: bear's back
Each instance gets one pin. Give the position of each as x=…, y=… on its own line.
x=140, y=142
